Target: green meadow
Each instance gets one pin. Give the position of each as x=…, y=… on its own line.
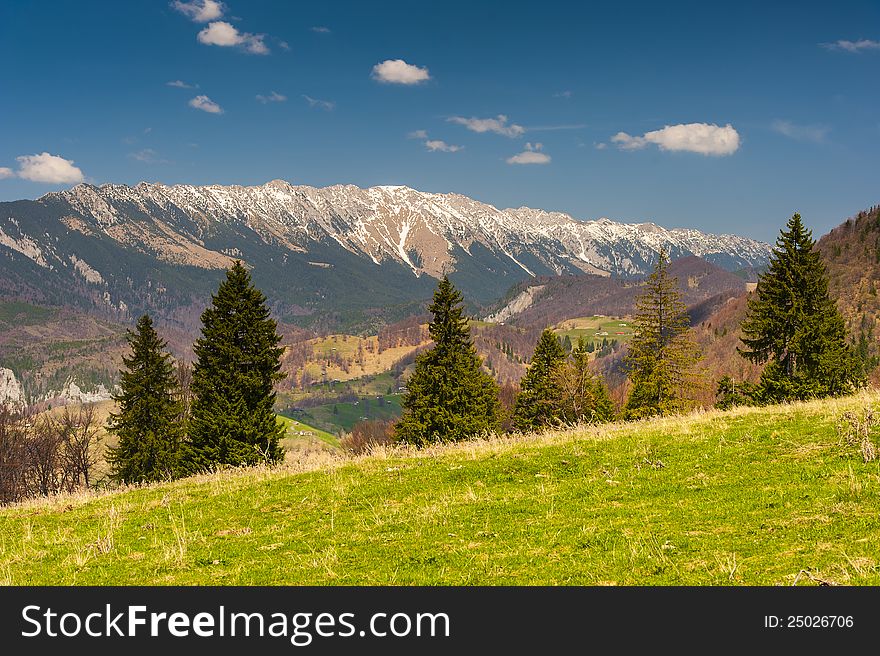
x=769, y=496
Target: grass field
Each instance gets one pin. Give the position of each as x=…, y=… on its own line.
x=295, y=429
x=596, y=328
x=362, y=352
x=767, y=496
x=337, y=417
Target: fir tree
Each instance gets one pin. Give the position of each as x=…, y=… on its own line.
x=795, y=327
x=147, y=423
x=238, y=363
x=583, y=397
x=448, y=396
x=662, y=354
x=537, y=404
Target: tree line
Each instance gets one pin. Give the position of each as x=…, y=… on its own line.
x=176, y=422
x=793, y=328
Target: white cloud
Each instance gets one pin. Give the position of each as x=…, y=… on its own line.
x=206, y=105
x=180, y=84
x=6, y=172
x=852, y=46
x=316, y=103
x=600, y=146
x=703, y=138
x=433, y=145
x=200, y=11
x=272, y=97
x=814, y=133
x=320, y=29
x=531, y=155
x=436, y=145
x=498, y=125
x=284, y=45
x=563, y=94
x=221, y=33
x=48, y=168
x=148, y=156
x=397, y=71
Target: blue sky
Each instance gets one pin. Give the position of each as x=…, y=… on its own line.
x=727, y=117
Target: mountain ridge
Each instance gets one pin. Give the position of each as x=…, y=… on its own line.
x=320, y=253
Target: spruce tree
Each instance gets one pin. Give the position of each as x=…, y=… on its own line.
x=537, y=404
x=795, y=327
x=662, y=354
x=147, y=423
x=583, y=397
x=448, y=396
x=238, y=362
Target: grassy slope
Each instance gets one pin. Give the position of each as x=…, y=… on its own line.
x=589, y=327
x=387, y=406
x=293, y=428
x=743, y=497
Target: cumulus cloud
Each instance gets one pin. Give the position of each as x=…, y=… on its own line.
x=433, y=145
x=531, y=155
x=206, y=105
x=814, y=133
x=272, y=97
x=498, y=125
x=397, y=71
x=180, y=84
x=600, y=146
x=563, y=94
x=221, y=33
x=200, y=11
x=320, y=29
x=852, y=46
x=46, y=168
x=6, y=172
x=703, y=138
x=317, y=103
x=436, y=145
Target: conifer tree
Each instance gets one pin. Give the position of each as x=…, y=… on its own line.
x=795, y=327
x=238, y=363
x=583, y=397
x=147, y=423
x=449, y=397
x=662, y=355
x=537, y=404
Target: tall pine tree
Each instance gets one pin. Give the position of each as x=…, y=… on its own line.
x=147, y=423
x=662, y=355
x=238, y=363
x=583, y=397
x=537, y=404
x=795, y=327
x=448, y=396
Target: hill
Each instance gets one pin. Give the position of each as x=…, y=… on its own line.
x=852, y=254
x=768, y=496
x=57, y=355
x=549, y=301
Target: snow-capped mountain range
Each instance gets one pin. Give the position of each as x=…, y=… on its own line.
x=153, y=245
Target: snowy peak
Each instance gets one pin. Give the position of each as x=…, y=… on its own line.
x=427, y=232
x=157, y=247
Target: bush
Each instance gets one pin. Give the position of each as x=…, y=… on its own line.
x=367, y=434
